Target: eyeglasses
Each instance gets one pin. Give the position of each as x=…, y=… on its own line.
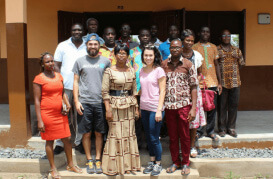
x=226, y=35
x=175, y=48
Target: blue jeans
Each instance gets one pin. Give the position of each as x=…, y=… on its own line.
x=152, y=132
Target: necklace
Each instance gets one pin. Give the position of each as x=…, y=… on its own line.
x=187, y=55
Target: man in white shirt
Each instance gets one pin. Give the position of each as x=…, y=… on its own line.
x=65, y=56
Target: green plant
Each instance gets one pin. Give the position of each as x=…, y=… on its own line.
x=230, y=175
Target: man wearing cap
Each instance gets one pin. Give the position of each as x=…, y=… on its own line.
x=66, y=54
x=88, y=72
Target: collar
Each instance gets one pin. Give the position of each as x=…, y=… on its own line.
x=129, y=40
x=231, y=48
x=105, y=47
x=70, y=41
x=205, y=45
x=170, y=61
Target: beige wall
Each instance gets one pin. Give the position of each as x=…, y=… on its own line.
x=42, y=21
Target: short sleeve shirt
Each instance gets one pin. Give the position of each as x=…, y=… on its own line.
x=90, y=70
x=210, y=53
x=149, y=98
x=68, y=53
x=105, y=52
x=136, y=62
x=164, y=49
x=229, y=66
x=180, y=79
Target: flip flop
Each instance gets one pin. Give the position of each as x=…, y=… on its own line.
x=54, y=174
x=172, y=168
x=76, y=169
x=184, y=169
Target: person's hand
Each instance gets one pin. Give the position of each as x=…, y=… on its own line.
x=79, y=108
x=109, y=115
x=219, y=89
x=41, y=126
x=66, y=110
x=137, y=115
x=192, y=114
x=158, y=116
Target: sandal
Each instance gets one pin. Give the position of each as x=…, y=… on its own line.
x=54, y=173
x=185, y=170
x=172, y=168
x=74, y=168
x=213, y=137
x=193, y=152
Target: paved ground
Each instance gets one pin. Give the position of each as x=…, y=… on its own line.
x=248, y=122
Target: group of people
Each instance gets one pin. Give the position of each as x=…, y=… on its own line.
x=117, y=88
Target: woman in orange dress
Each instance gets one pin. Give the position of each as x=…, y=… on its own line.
x=52, y=119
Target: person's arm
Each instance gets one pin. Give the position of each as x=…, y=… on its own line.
x=105, y=94
x=78, y=105
x=192, y=112
x=57, y=66
x=135, y=94
x=162, y=92
x=37, y=92
x=218, y=74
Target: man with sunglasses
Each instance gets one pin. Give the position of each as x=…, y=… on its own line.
x=230, y=61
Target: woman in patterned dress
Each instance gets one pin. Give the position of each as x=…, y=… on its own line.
x=196, y=58
x=120, y=154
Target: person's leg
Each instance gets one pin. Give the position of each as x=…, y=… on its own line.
x=233, y=102
x=222, y=121
x=49, y=153
x=192, y=136
x=139, y=129
x=184, y=133
x=211, y=115
x=172, y=124
x=86, y=142
x=68, y=150
x=154, y=132
x=99, y=142
x=145, y=116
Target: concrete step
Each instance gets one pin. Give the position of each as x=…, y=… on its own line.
x=163, y=175
x=243, y=140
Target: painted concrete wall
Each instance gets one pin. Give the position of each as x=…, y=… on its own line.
x=42, y=21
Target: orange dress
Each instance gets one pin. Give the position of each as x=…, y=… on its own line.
x=56, y=124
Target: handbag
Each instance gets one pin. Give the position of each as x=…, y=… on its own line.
x=207, y=97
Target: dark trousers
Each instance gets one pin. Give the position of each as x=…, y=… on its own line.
x=211, y=116
x=228, y=109
x=139, y=129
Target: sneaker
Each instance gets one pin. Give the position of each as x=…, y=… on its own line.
x=193, y=152
x=149, y=168
x=58, y=150
x=98, y=167
x=156, y=170
x=90, y=167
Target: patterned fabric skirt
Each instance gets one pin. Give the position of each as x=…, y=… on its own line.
x=121, y=153
x=200, y=119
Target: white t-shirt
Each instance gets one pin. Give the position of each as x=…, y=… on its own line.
x=68, y=53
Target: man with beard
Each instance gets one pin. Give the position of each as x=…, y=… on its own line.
x=107, y=49
x=92, y=26
x=180, y=105
x=66, y=54
x=212, y=78
x=154, y=39
x=88, y=72
x=125, y=32
x=165, y=46
x=136, y=62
